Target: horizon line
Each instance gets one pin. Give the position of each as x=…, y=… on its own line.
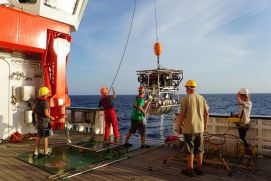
x=179, y=94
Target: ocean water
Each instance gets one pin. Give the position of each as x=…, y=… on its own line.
x=158, y=127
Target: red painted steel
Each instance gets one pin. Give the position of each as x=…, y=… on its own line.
x=34, y=34
x=55, y=79
x=25, y=32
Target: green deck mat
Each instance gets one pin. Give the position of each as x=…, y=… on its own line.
x=74, y=156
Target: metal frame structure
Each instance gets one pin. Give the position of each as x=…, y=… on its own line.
x=161, y=87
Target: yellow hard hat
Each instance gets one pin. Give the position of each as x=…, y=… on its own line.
x=104, y=91
x=191, y=83
x=43, y=91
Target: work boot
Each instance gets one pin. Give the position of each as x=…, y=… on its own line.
x=127, y=145
x=188, y=172
x=145, y=146
x=48, y=155
x=36, y=156
x=198, y=170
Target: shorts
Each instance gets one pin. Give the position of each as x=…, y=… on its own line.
x=137, y=125
x=193, y=143
x=43, y=133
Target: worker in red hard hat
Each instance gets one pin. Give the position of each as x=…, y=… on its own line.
x=110, y=115
x=137, y=118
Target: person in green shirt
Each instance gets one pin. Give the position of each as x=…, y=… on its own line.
x=137, y=118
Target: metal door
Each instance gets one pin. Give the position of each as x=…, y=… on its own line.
x=4, y=99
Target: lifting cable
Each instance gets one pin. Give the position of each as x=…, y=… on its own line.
x=125, y=47
x=155, y=21
x=157, y=39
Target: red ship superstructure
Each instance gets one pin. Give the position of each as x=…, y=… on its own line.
x=34, y=49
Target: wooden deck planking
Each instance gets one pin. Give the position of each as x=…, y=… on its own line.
x=132, y=168
x=122, y=173
x=129, y=175
x=22, y=170
x=158, y=169
x=139, y=167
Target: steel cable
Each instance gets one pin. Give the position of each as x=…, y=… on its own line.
x=125, y=47
x=156, y=29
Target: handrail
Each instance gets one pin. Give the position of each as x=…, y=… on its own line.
x=84, y=108
x=264, y=117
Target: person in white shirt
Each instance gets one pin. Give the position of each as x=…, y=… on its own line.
x=245, y=106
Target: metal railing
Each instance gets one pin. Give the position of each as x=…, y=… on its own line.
x=83, y=119
x=259, y=133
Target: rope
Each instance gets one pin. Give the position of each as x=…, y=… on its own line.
x=125, y=47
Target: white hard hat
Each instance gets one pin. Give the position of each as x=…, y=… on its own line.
x=244, y=91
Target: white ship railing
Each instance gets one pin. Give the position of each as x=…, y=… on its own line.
x=259, y=133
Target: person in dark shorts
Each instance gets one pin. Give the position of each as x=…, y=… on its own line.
x=110, y=115
x=137, y=118
x=43, y=123
x=193, y=122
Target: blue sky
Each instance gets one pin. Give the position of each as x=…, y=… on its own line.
x=224, y=45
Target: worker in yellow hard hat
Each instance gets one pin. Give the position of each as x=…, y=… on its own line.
x=110, y=116
x=191, y=84
x=43, y=123
x=44, y=91
x=193, y=120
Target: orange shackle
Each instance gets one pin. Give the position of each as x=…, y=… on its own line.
x=157, y=49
